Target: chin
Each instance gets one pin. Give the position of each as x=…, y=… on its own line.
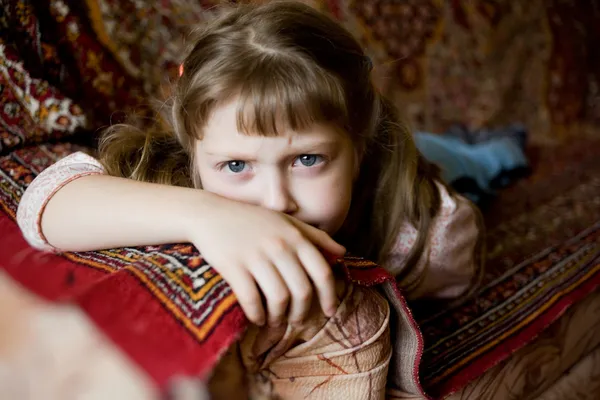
x=330, y=229
x=318, y=226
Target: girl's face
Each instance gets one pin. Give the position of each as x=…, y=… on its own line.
x=308, y=174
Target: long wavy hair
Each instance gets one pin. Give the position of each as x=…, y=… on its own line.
x=287, y=62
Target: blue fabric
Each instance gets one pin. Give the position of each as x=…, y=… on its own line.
x=481, y=162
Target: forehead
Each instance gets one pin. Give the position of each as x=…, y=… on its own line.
x=222, y=131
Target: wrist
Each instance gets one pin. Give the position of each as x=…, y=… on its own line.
x=192, y=213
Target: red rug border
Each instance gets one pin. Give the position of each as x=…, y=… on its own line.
x=514, y=343
x=144, y=347
x=188, y=361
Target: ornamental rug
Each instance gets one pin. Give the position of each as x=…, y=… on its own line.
x=510, y=309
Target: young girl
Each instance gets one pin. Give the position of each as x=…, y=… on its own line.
x=299, y=159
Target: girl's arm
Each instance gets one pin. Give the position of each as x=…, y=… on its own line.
x=74, y=206
x=256, y=250
x=100, y=211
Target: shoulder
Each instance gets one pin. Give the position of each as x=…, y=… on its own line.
x=455, y=214
x=451, y=256
x=78, y=158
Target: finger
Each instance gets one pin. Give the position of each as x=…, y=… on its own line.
x=296, y=280
x=321, y=275
x=244, y=288
x=274, y=289
x=321, y=239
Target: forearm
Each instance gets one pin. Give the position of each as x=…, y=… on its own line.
x=99, y=211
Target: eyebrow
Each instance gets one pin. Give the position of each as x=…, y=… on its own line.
x=232, y=156
x=299, y=149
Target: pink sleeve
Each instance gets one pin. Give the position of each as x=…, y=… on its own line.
x=43, y=187
x=451, y=261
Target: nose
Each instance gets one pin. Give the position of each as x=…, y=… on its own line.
x=278, y=197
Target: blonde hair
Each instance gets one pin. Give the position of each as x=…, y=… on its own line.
x=288, y=62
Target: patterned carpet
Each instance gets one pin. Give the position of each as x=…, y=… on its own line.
x=521, y=295
x=543, y=253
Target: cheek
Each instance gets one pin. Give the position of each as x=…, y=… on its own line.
x=328, y=202
x=333, y=209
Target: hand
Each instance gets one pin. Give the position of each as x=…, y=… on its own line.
x=252, y=246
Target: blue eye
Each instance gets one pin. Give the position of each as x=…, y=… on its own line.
x=236, y=166
x=308, y=160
